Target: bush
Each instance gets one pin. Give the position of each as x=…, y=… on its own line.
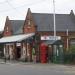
x=69, y=56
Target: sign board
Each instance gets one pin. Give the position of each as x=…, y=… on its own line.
x=18, y=44
x=50, y=38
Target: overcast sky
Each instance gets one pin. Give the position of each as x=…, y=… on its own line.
x=17, y=9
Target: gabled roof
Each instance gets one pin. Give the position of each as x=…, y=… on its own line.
x=17, y=26
x=44, y=22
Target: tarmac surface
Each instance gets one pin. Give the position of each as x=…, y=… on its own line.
x=35, y=69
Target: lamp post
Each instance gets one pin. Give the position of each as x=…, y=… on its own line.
x=54, y=23
x=54, y=19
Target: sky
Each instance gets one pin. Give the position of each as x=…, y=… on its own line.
x=17, y=9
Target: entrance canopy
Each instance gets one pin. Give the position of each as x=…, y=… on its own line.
x=53, y=42
x=16, y=38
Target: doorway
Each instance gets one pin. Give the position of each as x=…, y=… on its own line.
x=18, y=52
x=50, y=53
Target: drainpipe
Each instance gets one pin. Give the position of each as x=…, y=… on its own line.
x=67, y=39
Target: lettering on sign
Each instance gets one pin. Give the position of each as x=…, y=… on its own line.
x=50, y=38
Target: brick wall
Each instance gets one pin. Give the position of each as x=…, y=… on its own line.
x=7, y=29
x=29, y=25
x=63, y=36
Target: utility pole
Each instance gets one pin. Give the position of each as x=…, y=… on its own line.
x=54, y=22
x=54, y=19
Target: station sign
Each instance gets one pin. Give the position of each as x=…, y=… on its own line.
x=50, y=37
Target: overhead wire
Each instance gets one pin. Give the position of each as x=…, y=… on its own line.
x=12, y=6
x=33, y=3
x=3, y=3
x=24, y=5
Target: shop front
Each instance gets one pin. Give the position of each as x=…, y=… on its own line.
x=18, y=47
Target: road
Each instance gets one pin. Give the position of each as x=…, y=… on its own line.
x=36, y=69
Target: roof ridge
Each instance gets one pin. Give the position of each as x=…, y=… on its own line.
x=51, y=13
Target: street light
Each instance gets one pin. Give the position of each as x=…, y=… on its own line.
x=54, y=19
x=54, y=22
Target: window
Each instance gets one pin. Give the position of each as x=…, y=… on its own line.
x=7, y=29
x=29, y=22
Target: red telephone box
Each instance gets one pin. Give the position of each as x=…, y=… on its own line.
x=43, y=53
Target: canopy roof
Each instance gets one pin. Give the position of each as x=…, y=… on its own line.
x=53, y=42
x=16, y=38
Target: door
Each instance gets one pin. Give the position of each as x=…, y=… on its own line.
x=50, y=53
x=18, y=52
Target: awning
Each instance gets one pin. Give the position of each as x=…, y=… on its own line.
x=16, y=38
x=49, y=42
x=53, y=42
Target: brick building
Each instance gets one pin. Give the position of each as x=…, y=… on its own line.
x=40, y=24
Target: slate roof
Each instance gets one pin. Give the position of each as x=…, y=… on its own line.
x=44, y=22
x=17, y=26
